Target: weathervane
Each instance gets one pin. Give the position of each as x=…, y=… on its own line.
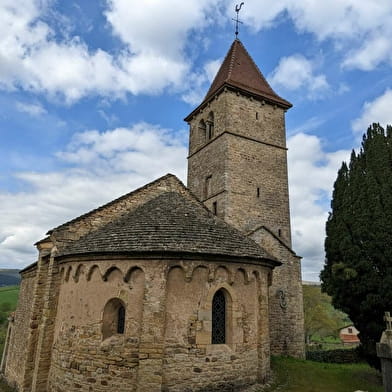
x=237, y=21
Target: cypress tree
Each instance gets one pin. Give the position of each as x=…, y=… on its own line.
x=358, y=269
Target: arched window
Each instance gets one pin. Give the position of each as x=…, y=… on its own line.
x=210, y=126
x=219, y=318
x=113, y=318
x=202, y=131
x=121, y=319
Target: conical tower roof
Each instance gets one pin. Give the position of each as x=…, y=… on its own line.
x=238, y=71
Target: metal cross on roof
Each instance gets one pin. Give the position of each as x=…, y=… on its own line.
x=388, y=320
x=237, y=21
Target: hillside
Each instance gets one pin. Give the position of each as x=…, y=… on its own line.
x=9, y=277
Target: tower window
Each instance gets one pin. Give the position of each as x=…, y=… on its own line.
x=219, y=318
x=202, y=131
x=113, y=318
x=215, y=207
x=280, y=232
x=210, y=126
x=258, y=192
x=257, y=115
x=207, y=187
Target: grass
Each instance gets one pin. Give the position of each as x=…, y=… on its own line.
x=293, y=375
x=9, y=294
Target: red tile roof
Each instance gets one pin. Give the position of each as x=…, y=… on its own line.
x=240, y=72
x=346, y=338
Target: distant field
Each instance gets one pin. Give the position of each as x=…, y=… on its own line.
x=9, y=294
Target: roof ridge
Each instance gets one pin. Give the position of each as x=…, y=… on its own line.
x=231, y=65
x=135, y=191
x=274, y=235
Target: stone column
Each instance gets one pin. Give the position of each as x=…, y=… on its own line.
x=384, y=352
x=151, y=349
x=43, y=353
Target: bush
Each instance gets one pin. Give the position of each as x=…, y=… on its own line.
x=335, y=356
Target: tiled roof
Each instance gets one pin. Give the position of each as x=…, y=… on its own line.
x=239, y=71
x=169, y=223
x=346, y=338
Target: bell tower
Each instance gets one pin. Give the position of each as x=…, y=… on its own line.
x=237, y=166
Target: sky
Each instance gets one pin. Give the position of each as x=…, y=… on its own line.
x=93, y=96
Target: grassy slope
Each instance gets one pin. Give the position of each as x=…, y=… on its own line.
x=294, y=375
x=9, y=294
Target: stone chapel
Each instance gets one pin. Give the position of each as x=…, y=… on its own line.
x=173, y=288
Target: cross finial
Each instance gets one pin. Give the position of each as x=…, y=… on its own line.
x=237, y=21
x=388, y=320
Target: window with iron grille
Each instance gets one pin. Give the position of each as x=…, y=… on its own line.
x=219, y=318
x=121, y=319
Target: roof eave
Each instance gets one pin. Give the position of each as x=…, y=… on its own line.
x=264, y=261
x=261, y=97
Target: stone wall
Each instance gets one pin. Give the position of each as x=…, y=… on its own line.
x=286, y=301
x=19, y=332
x=167, y=341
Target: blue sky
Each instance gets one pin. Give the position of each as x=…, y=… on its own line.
x=93, y=96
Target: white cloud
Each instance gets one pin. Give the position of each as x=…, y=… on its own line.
x=103, y=167
x=153, y=35
x=377, y=111
x=312, y=172
x=296, y=72
x=370, y=54
x=33, y=109
x=352, y=24
x=200, y=82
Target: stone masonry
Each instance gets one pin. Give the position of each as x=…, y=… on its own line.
x=241, y=172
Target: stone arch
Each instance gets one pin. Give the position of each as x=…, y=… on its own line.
x=175, y=268
x=113, y=318
x=131, y=271
x=199, y=267
x=229, y=274
x=68, y=273
x=94, y=269
x=241, y=276
x=111, y=270
x=79, y=271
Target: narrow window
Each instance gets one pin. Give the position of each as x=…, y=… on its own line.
x=280, y=232
x=202, y=131
x=210, y=126
x=257, y=115
x=207, y=187
x=215, y=207
x=219, y=318
x=258, y=192
x=350, y=330
x=121, y=319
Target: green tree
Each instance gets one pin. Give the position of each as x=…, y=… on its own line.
x=358, y=268
x=320, y=316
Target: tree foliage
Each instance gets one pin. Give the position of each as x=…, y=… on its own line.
x=321, y=318
x=358, y=269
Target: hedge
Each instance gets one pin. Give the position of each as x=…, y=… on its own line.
x=335, y=356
